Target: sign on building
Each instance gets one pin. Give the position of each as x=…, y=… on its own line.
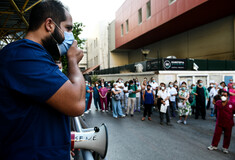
x=174, y=64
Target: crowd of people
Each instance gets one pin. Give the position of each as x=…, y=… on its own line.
x=169, y=99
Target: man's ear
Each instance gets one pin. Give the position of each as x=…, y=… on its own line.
x=49, y=25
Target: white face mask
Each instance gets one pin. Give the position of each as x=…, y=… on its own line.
x=60, y=69
x=162, y=88
x=96, y=84
x=223, y=98
x=102, y=85
x=212, y=85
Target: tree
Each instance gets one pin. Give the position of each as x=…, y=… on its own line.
x=77, y=30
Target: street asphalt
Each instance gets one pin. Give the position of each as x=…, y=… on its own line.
x=133, y=139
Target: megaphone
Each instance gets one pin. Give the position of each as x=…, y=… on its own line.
x=95, y=139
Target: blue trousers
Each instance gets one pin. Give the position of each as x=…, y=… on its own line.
x=87, y=100
x=172, y=108
x=97, y=102
x=117, y=109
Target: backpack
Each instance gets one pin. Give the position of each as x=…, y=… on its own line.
x=117, y=97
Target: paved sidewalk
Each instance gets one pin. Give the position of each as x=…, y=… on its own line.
x=133, y=139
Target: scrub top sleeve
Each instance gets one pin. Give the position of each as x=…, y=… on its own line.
x=37, y=77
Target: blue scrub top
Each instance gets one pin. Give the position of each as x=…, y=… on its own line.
x=87, y=93
x=96, y=92
x=29, y=128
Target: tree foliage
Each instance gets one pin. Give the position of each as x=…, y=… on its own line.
x=77, y=30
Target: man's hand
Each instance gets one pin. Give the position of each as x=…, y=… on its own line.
x=74, y=52
x=70, y=98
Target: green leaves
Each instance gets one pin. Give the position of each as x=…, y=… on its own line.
x=77, y=30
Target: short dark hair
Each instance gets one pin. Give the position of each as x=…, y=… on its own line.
x=46, y=9
x=217, y=97
x=224, y=92
x=198, y=81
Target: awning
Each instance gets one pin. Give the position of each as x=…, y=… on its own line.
x=13, y=22
x=88, y=70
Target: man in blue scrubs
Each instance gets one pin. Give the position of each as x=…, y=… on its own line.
x=36, y=98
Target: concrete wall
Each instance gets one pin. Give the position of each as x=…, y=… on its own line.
x=97, y=46
x=115, y=59
x=211, y=41
x=118, y=59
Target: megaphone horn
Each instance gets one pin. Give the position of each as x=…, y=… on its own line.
x=95, y=140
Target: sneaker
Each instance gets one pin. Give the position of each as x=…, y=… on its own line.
x=225, y=150
x=96, y=109
x=150, y=119
x=185, y=122
x=143, y=118
x=86, y=112
x=179, y=121
x=211, y=148
x=107, y=111
x=123, y=116
x=103, y=111
x=132, y=115
x=90, y=109
x=115, y=117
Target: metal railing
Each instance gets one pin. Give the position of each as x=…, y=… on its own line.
x=158, y=64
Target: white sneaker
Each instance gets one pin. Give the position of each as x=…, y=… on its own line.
x=103, y=111
x=185, y=122
x=179, y=121
x=225, y=150
x=123, y=116
x=107, y=111
x=211, y=148
x=86, y=112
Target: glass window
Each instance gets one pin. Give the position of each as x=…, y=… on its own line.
x=171, y=1
x=148, y=5
x=122, y=30
x=127, y=26
x=140, y=15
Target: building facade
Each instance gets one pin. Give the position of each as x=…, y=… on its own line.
x=97, y=46
x=197, y=29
